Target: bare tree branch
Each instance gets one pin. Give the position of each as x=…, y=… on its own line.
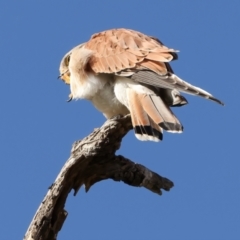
x=92, y=160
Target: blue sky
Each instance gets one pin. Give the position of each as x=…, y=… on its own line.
x=38, y=127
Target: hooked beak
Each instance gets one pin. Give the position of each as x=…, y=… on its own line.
x=65, y=77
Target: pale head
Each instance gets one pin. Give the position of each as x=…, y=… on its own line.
x=64, y=64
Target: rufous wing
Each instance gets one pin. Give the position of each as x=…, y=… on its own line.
x=120, y=49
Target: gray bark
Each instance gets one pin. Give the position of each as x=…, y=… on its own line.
x=92, y=160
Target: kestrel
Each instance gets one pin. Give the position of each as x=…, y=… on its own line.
x=123, y=71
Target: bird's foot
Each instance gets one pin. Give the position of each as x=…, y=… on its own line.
x=117, y=117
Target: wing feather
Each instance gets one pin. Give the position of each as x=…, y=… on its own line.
x=111, y=64
x=130, y=48
x=139, y=53
x=160, y=57
x=171, y=81
x=157, y=67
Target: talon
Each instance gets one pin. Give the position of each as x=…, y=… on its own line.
x=70, y=97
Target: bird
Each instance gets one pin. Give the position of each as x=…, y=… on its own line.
x=123, y=71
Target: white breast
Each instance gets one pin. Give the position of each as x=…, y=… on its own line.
x=105, y=101
x=87, y=88
x=99, y=89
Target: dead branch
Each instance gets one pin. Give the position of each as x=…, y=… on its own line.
x=92, y=160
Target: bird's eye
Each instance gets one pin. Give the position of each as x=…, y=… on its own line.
x=67, y=60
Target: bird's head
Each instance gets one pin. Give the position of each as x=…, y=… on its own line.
x=64, y=71
x=64, y=68
x=64, y=64
x=72, y=62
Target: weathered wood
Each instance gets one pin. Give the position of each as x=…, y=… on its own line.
x=92, y=160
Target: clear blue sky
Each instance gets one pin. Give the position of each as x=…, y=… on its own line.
x=38, y=126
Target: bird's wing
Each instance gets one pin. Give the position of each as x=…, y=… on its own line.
x=171, y=81
x=117, y=50
x=126, y=52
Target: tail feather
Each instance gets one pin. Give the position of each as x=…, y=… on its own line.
x=160, y=113
x=150, y=115
x=172, y=97
x=145, y=128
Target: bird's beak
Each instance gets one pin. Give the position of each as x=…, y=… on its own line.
x=65, y=77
